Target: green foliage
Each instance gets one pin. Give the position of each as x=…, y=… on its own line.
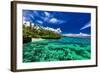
x=39, y=33
x=26, y=32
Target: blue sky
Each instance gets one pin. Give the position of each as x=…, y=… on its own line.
x=68, y=22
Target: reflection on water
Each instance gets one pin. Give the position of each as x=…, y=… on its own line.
x=66, y=48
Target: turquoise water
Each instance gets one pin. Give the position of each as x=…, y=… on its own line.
x=66, y=48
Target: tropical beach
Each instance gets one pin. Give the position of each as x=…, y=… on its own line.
x=50, y=36
x=37, y=39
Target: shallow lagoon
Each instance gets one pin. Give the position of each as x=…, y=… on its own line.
x=66, y=48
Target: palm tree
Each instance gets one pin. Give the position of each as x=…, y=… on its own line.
x=30, y=25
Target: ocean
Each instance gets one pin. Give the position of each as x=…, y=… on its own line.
x=64, y=49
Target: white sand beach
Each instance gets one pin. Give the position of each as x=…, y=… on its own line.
x=37, y=39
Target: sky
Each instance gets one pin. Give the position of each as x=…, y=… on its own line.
x=68, y=22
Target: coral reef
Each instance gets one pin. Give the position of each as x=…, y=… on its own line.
x=66, y=48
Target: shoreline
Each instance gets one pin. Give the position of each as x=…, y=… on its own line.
x=41, y=39
x=37, y=39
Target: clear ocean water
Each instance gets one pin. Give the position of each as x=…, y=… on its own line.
x=66, y=48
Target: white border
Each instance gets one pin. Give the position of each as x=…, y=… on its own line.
x=21, y=65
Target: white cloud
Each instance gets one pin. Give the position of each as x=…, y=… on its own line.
x=49, y=18
x=84, y=34
x=46, y=19
x=28, y=17
x=77, y=35
x=58, y=30
x=36, y=13
x=39, y=21
x=32, y=16
x=53, y=20
x=56, y=21
x=47, y=14
x=86, y=26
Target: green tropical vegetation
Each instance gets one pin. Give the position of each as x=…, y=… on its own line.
x=32, y=32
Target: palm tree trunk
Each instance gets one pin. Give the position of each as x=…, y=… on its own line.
x=30, y=26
